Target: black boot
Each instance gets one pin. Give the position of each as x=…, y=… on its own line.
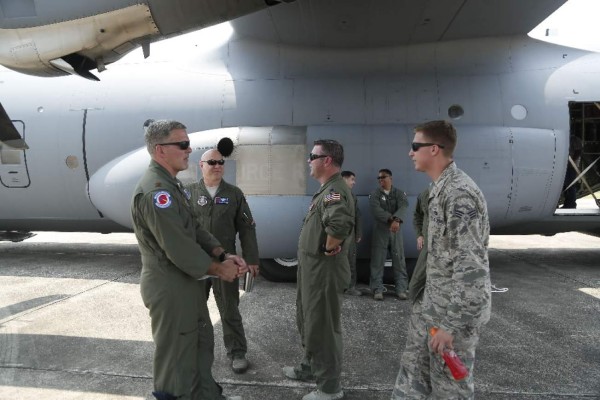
x=164, y=396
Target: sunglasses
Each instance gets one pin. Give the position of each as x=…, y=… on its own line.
x=183, y=145
x=415, y=146
x=212, y=163
x=313, y=157
x=380, y=178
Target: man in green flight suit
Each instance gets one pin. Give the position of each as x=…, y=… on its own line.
x=356, y=236
x=388, y=205
x=177, y=253
x=221, y=209
x=323, y=273
x=421, y=224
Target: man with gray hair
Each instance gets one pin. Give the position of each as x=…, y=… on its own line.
x=176, y=253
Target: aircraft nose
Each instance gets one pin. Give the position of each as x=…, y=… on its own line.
x=111, y=187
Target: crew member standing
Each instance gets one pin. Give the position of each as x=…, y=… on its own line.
x=176, y=252
x=388, y=205
x=416, y=284
x=221, y=209
x=323, y=273
x=457, y=297
x=350, y=179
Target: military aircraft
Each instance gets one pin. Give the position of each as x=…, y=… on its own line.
x=364, y=73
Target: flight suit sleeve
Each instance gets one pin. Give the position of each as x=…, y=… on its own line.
x=378, y=212
x=338, y=217
x=205, y=239
x=402, y=202
x=418, y=217
x=169, y=226
x=468, y=297
x=246, y=228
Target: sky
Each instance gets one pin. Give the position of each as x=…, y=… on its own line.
x=575, y=24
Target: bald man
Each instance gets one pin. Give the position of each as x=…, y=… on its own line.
x=221, y=209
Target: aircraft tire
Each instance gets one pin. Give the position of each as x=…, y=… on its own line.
x=283, y=271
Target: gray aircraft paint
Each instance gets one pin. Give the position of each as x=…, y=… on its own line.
x=274, y=99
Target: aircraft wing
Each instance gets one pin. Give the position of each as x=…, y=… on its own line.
x=377, y=23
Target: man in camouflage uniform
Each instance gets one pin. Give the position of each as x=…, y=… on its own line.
x=176, y=253
x=323, y=273
x=388, y=205
x=221, y=209
x=350, y=179
x=457, y=297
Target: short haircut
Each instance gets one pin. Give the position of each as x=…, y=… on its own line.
x=158, y=131
x=439, y=132
x=386, y=171
x=333, y=149
x=347, y=174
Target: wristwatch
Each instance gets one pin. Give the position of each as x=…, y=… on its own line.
x=223, y=256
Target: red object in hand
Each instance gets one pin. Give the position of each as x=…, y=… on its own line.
x=453, y=361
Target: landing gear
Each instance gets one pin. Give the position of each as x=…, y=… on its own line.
x=279, y=269
x=15, y=236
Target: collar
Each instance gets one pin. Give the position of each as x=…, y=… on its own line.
x=331, y=179
x=438, y=185
x=160, y=170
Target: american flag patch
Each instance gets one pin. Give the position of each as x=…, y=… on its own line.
x=332, y=196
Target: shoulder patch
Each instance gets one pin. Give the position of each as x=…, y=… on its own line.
x=332, y=197
x=162, y=199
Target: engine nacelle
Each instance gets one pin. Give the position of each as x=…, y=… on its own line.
x=55, y=38
x=76, y=46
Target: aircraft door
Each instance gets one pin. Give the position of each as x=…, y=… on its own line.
x=13, y=163
x=534, y=152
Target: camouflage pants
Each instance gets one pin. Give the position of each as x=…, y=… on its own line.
x=423, y=375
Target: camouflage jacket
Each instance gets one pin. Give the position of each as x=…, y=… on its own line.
x=458, y=290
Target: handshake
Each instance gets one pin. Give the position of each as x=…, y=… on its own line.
x=231, y=267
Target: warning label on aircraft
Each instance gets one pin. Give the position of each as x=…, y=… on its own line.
x=162, y=199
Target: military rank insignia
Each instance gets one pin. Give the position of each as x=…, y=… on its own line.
x=202, y=201
x=221, y=200
x=331, y=197
x=187, y=194
x=162, y=199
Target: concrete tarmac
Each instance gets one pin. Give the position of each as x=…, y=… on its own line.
x=73, y=326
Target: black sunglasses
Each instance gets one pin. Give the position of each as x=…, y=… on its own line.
x=415, y=146
x=212, y=163
x=382, y=177
x=183, y=145
x=313, y=157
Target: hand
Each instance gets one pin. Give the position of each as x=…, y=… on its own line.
x=227, y=270
x=420, y=241
x=333, y=252
x=395, y=226
x=254, y=270
x=440, y=341
x=240, y=262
